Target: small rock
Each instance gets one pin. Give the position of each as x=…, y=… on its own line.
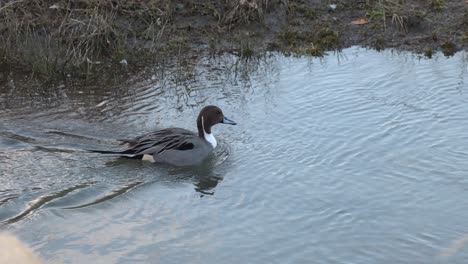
x=124, y=62
x=332, y=7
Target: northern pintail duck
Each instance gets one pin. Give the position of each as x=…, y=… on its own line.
x=177, y=146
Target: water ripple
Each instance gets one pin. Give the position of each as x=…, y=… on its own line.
x=39, y=202
x=341, y=160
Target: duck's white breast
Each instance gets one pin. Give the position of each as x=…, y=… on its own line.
x=211, y=139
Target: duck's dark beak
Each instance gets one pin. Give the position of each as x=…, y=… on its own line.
x=228, y=121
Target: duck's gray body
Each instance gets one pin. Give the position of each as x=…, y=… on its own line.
x=177, y=146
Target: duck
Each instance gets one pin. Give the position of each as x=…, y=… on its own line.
x=176, y=146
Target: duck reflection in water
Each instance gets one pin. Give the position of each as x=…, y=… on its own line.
x=204, y=177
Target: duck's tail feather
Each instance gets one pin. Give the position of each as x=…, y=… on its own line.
x=106, y=151
x=122, y=154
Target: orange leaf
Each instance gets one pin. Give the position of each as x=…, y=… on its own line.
x=360, y=21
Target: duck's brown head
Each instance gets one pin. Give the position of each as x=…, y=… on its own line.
x=209, y=116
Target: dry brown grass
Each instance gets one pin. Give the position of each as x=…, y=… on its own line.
x=244, y=11
x=52, y=36
x=398, y=12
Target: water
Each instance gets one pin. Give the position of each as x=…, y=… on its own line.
x=359, y=157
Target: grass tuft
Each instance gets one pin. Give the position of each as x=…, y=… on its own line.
x=53, y=37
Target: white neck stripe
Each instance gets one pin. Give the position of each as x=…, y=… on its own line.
x=209, y=137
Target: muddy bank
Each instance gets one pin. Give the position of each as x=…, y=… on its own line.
x=57, y=38
x=313, y=27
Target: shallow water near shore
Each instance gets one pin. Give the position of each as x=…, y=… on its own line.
x=358, y=157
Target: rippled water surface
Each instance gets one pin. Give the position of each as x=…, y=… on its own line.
x=359, y=157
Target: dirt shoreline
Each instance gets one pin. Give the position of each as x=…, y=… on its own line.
x=419, y=26
x=244, y=27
